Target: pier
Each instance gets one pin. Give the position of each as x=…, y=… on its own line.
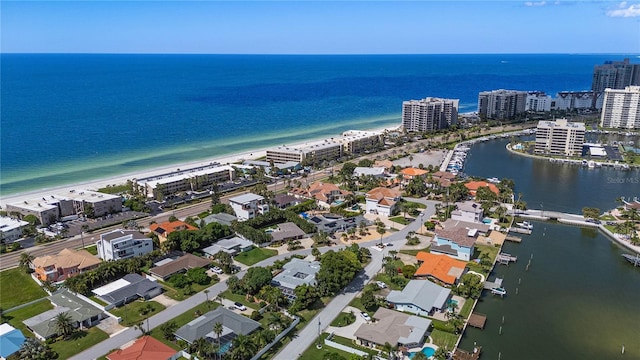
x=495, y=287
x=515, y=239
x=477, y=320
x=520, y=230
x=505, y=259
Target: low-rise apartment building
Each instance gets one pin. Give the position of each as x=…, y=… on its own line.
x=195, y=179
x=248, y=206
x=560, y=137
x=123, y=244
x=11, y=229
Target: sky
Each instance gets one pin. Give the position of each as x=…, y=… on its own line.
x=320, y=27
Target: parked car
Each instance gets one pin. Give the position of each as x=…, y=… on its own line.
x=239, y=306
x=381, y=285
x=365, y=316
x=217, y=270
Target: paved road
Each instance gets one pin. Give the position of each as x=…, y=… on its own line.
x=307, y=336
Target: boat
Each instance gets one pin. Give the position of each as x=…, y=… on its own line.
x=499, y=291
x=635, y=260
x=525, y=225
x=494, y=180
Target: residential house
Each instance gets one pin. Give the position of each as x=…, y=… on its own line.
x=326, y=194
x=420, y=297
x=631, y=205
x=83, y=314
x=202, y=327
x=284, y=201
x=382, y=201
x=180, y=265
x=295, y=273
x=456, y=242
x=469, y=211
x=11, y=229
x=247, y=206
x=473, y=187
x=220, y=218
x=378, y=172
x=11, y=340
x=233, y=246
x=67, y=263
x=287, y=231
x=330, y=223
x=387, y=164
x=130, y=287
x=395, y=328
x=164, y=229
x=441, y=268
x=123, y=244
x=145, y=348
x=410, y=173
x=443, y=178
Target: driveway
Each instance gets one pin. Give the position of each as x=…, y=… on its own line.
x=348, y=331
x=165, y=300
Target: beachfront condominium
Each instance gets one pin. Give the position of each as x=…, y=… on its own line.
x=621, y=108
x=123, y=244
x=501, y=104
x=615, y=75
x=538, y=101
x=560, y=137
x=576, y=100
x=360, y=141
x=195, y=179
x=429, y=114
x=49, y=208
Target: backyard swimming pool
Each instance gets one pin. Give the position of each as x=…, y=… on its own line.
x=427, y=350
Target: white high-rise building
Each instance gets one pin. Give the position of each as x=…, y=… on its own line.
x=560, y=137
x=501, y=104
x=621, y=108
x=429, y=114
x=538, y=101
x=123, y=244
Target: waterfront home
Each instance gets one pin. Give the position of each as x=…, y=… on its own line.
x=295, y=273
x=233, y=246
x=83, y=314
x=123, y=244
x=457, y=242
x=168, y=267
x=163, y=230
x=439, y=267
x=249, y=205
x=202, y=327
x=469, y=211
x=473, y=187
x=420, y=297
x=631, y=205
x=382, y=201
x=11, y=340
x=145, y=348
x=11, y=229
x=130, y=287
x=443, y=178
x=287, y=231
x=395, y=328
x=325, y=194
x=67, y=263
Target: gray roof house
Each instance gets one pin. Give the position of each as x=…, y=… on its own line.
x=295, y=273
x=220, y=218
x=127, y=289
x=202, y=327
x=287, y=231
x=233, y=246
x=395, y=328
x=420, y=297
x=82, y=314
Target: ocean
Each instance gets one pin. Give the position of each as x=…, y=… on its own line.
x=69, y=118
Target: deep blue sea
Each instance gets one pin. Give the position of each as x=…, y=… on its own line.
x=68, y=118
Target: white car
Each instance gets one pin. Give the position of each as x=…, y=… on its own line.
x=381, y=285
x=239, y=306
x=365, y=316
x=217, y=270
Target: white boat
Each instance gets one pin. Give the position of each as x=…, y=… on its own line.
x=494, y=180
x=525, y=225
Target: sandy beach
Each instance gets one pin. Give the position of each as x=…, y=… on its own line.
x=121, y=179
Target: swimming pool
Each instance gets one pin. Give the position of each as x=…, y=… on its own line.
x=427, y=350
x=486, y=221
x=224, y=348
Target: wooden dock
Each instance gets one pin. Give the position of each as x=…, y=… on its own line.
x=477, y=320
x=514, y=238
x=488, y=285
x=520, y=230
x=460, y=354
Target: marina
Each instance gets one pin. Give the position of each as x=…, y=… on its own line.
x=635, y=260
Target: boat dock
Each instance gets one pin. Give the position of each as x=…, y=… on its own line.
x=495, y=287
x=505, y=259
x=635, y=260
x=520, y=230
x=460, y=354
x=477, y=320
x=513, y=238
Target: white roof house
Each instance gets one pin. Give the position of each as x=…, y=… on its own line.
x=295, y=273
x=420, y=297
x=232, y=246
x=249, y=205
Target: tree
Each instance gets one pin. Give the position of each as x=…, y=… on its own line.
x=32, y=349
x=419, y=356
x=198, y=276
x=337, y=269
x=380, y=229
x=389, y=349
x=64, y=325
x=501, y=211
x=225, y=260
x=440, y=354
x=470, y=286
x=590, y=213
x=168, y=329
x=255, y=279
x=315, y=252
x=306, y=295
x=368, y=300
x=242, y=348
x=26, y=260
x=217, y=329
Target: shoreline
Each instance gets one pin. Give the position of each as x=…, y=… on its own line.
x=123, y=178
x=571, y=161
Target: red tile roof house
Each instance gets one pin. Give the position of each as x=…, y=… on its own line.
x=145, y=348
x=473, y=187
x=382, y=201
x=164, y=229
x=325, y=194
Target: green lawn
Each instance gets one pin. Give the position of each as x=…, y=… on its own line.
x=182, y=319
x=351, y=343
x=93, y=249
x=414, y=252
x=313, y=353
x=178, y=294
x=81, y=341
x=344, y=319
x=466, y=308
x=16, y=317
x=95, y=298
x=131, y=313
x=255, y=255
x=401, y=220
x=444, y=339
x=18, y=288
x=239, y=298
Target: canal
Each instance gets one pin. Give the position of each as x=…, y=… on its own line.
x=579, y=299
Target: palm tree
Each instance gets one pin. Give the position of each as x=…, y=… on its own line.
x=32, y=349
x=389, y=349
x=26, y=260
x=217, y=329
x=64, y=325
x=381, y=230
x=243, y=348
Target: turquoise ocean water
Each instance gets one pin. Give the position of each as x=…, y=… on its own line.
x=68, y=118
